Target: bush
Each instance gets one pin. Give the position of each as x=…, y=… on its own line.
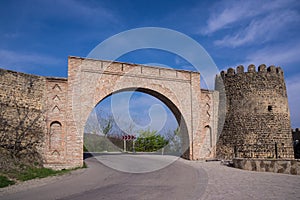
x=150, y=144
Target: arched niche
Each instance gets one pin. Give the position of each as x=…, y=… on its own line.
x=208, y=136
x=55, y=135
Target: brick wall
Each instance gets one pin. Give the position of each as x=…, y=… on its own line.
x=56, y=99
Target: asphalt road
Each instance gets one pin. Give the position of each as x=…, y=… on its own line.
x=177, y=180
x=166, y=179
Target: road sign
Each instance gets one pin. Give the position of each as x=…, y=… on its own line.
x=128, y=137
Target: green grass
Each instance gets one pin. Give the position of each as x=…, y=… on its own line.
x=84, y=165
x=4, y=181
x=32, y=173
x=28, y=173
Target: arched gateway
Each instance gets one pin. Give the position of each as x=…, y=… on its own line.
x=70, y=101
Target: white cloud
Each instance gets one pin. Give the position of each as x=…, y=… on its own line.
x=227, y=12
x=262, y=29
x=281, y=54
x=71, y=10
x=82, y=10
x=230, y=14
x=22, y=61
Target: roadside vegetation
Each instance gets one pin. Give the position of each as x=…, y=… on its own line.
x=150, y=141
x=21, y=137
x=25, y=173
x=4, y=181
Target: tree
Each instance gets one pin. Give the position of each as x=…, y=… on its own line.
x=149, y=141
x=175, y=141
x=97, y=123
x=21, y=131
x=147, y=133
x=111, y=127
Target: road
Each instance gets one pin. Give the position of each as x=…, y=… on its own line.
x=180, y=179
x=176, y=181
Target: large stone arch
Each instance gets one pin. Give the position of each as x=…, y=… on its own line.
x=153, y=93
x=90, y=81
x=174, y=109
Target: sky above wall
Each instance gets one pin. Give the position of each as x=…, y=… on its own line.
x=37, y=36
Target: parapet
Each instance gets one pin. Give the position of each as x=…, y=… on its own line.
x=252, y=69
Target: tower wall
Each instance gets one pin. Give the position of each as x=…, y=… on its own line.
x=257, y=111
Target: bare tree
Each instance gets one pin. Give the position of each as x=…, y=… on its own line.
x=92, y=125
x=98, y=124
x=21, y=130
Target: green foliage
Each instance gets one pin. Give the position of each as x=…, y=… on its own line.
x=177, y=131
x=85, y=149
x=25, y=173
x=84, y=165
x=4, y=181
x=107, y=128
x=149, y=141
x=34, y=172
x=147, y=133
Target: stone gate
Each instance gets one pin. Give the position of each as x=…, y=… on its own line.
x=71, y=100
x=253, y=104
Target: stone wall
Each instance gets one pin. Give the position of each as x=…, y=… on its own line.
x=256, y=110
x=268, y=165
x=22, y=116
x=254, y=105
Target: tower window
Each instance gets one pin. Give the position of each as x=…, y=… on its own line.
x=270, y=108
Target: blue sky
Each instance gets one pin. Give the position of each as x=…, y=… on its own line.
x=37, y=36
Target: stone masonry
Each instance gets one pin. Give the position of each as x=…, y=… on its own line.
x=22, y=121
x=67, y=103
x=90, y=81
x=256, y=109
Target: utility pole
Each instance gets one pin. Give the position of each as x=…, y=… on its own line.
x=124, y=145
x=133, y=145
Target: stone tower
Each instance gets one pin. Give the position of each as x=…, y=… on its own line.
x=256, y=112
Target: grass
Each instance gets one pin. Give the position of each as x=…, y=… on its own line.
x=32, y=173
x=4, y=181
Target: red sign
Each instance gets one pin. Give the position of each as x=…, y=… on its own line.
x=128, y=137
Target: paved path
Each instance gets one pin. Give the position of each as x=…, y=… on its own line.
x=180, y=180
x=230, y=183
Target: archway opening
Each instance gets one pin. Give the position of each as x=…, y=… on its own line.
x=136, y=120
